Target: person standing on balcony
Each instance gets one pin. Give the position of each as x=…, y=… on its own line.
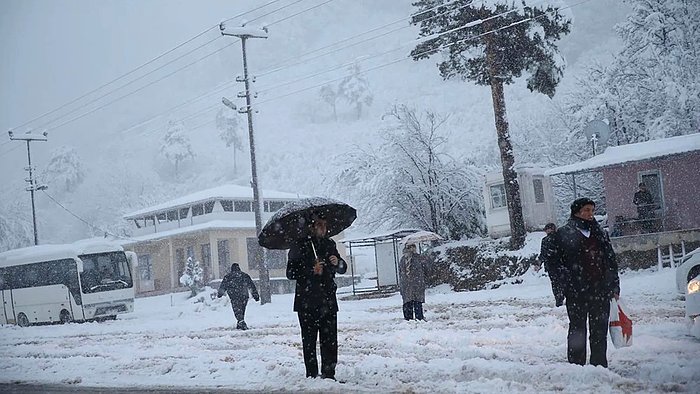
x=645, y=207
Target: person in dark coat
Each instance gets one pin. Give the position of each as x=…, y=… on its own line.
x=237, y=284
x=313, y=262
x=585, y=268
x=412, y=273
x=645, y=207
x=548, y=257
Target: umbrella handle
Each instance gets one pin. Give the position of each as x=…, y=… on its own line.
x=314, y=249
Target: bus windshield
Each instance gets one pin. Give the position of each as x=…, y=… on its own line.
x=104, y=272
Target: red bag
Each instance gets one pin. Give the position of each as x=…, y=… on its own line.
x=620, y=326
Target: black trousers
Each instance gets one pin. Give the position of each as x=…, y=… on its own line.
x=325, y=326
x=596, y=309
x=238, y=305
x=413, y=306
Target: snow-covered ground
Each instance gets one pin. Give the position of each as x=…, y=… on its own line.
x=503, y=340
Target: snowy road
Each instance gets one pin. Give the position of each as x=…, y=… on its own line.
x=503, y=340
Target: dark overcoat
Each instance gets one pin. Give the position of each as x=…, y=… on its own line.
x=583, y=265
x=314, y=292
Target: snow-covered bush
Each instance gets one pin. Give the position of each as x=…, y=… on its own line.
x=476, y=264
x=193, y=276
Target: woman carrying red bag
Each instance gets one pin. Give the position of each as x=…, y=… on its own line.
x=584, y=268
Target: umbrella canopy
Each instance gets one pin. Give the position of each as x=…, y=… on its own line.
x=293, y=221
x=420, y=236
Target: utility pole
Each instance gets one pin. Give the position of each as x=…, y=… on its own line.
x=32, y=183
x=244, y=34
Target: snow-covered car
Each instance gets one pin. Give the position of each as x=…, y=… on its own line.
x=692, y=305
x=688, y=269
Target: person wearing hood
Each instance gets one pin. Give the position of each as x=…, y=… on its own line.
x=237, y=284
x=584, y=268
x=412, y=273
x=313, y=262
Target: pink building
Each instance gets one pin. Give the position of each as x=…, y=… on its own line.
x=670, y=168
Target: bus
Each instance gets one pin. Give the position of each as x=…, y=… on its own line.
x=84, y=281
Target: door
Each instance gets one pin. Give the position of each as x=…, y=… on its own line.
x=653, y=181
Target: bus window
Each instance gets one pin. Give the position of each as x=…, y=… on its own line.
x=105, y=271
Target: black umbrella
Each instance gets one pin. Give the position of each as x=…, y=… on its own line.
x=293, y=221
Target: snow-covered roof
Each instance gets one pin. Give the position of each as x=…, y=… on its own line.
x=211, y=225
x=33, y=254
x=633, y=152
x=383, y=236
x=224, y=192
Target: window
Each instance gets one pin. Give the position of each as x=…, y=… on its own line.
x=652, y=179
x=224, y=254
x=136, y=221
x=276, y=259
x=161, y=217
x=190, y=252
x=209, y=206
x=498, y=196
x=197, y=209
x=145, y=267
x=539, y=190
x=275, y=206
x=180, y=261
x=184, y=212
x=227, y=205
x=253, y=247
x=206, y=259
x=243, y=206
x=172, y=215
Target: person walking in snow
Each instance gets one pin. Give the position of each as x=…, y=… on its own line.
x=313, y=262
x=237, y=284
x=584, y=266
x=547, y=258
x=412, y=274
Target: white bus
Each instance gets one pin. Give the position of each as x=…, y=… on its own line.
x=87, y=280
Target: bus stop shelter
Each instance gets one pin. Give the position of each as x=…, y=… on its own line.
x=386, y=255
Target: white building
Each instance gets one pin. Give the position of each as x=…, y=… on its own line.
x=215, y=227
x=536, y=196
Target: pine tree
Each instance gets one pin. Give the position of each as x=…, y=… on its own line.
x=176, y=145
x=193, y=276
x=229, y=130
x=492, y=42
x=355, y=90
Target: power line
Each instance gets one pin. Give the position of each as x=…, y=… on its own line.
x=94, y=227
x=273, y=11
x=140, y=67
x=118, y=78
x=126, y=84
x=425, y=52
x=226, y=83
x=412, y=42
x=286, y=63
x=142, y=87
x=300, y=12
x=247, y=12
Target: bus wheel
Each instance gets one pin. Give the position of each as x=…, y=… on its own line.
x=65, y=317
x=22, y=320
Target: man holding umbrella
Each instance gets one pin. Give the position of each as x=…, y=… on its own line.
x=313, y=262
